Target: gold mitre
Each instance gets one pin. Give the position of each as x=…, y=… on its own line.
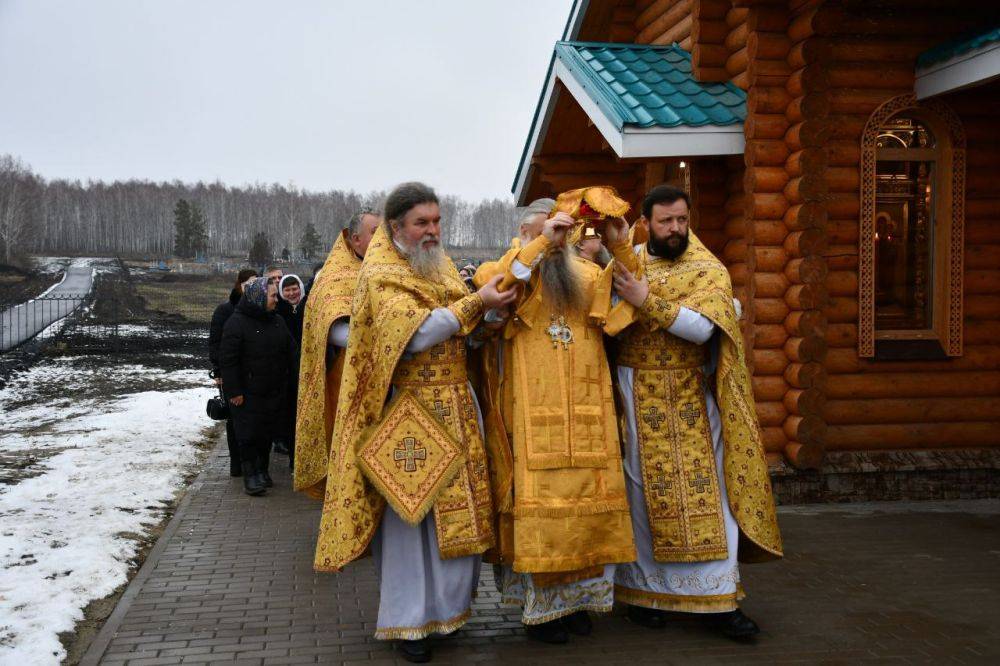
x=597, y=202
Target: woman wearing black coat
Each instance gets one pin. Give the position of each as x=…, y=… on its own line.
x=257, y=356
x=291, y=308
x=219, y=318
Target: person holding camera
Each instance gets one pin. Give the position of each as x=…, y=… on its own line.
x=219, y=318
x=257, y=357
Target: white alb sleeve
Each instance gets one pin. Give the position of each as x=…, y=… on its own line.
x=440, y=325
x=520, y=271
x=338, y=332
x=692, y=326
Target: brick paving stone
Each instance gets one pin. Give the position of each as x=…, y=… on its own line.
x=233, y=582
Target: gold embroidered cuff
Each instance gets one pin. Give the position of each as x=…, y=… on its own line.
x=468, y=311
x=533, y=250
x=624, y=254
x=658, y=312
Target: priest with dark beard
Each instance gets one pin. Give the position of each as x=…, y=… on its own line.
x=551, y=432
x=695, y=470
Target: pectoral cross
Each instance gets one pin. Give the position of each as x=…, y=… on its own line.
x=700, y=481
x=426, y=373
x=654, y=418
x=559, y=332
x=661, y=486
x=408, y=452
x=689, y=414
x=663, y=357
x=441, y=410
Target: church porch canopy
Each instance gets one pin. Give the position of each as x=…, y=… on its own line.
x=643, y=100
x=960, y=63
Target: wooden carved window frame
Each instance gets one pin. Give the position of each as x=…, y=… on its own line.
x=949, y=223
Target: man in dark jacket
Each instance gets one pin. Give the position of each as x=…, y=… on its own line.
x=219, y=318
x=257, y=356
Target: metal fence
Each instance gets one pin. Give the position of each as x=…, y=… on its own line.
x=39, y=319
x=120, y=314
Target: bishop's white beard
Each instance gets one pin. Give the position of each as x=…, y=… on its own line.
x=427, y=262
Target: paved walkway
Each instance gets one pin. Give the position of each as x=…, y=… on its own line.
x=23, y=322
x=232, y=580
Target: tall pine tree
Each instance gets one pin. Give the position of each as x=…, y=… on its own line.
x=182, y=224
x=260, y=251
x=189, y=230
x=311, y=244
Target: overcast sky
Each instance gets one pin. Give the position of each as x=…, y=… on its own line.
x=328, y=94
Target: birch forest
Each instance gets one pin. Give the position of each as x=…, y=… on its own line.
x=135, y=218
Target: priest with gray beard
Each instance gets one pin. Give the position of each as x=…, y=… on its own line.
x=552, y=437
x=407, y=475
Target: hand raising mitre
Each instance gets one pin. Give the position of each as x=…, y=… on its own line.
x=629, y=288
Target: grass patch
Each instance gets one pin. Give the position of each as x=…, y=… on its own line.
x=193, y=300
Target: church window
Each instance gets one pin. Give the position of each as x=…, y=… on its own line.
x=910, y=252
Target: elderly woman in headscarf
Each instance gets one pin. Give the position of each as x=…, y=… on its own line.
x=219, y=318
x=291, y=308
x=257, y=356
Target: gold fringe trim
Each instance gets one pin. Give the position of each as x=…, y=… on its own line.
x=571, y=511
x=554, y=578
x=555, y=615
x=477, y=547
x=669, y=555
x=682, y=603
x=557, y=565
x=416, y=633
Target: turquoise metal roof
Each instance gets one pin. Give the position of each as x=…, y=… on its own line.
x=646, y=86
x=957, y=47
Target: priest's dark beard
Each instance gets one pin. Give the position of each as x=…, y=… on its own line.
x=560, y=282
x=663, y=248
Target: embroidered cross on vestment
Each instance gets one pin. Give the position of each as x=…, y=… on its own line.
x=408, y=452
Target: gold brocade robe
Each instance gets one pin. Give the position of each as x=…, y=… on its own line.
x=329, y=300
x=555, y=457
x=390, y=303
x=675, y=442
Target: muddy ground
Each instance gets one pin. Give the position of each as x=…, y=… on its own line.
x=18, y=286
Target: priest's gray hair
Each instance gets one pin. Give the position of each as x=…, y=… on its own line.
x=536, y=207
x=354, y=224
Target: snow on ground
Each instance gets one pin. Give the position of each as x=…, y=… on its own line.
x=145, y=331
x=109, y=466
x=56, y=264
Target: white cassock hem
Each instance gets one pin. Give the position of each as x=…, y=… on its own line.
x=544, y=604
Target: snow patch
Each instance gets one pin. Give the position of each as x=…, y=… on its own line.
x=67, y=535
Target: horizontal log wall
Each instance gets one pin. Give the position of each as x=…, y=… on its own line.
x=850, y=58
x=665, y=22
x=708, y=179
x=783, y=237
x=709, y=31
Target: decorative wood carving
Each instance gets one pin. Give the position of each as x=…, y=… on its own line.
x=952, y=336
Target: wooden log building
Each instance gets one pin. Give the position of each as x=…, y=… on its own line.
x=840, y=155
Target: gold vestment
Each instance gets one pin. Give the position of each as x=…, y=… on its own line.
x=675, y=442
x=390, y=303
x=329, y=300
x=555, y=457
